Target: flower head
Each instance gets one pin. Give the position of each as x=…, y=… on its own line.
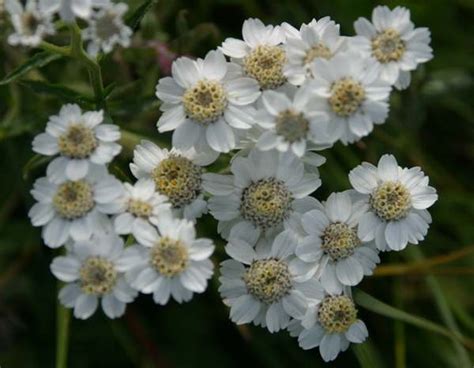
x=264, y=194
x=70, y=9
x=168, y=261
x=205, y=102
x=31, y=24
x=397, y=200
x=75, y=208
x=91, y=273
x=393, y=42
x=80, y=139
x=262, y=287
x=350, y=91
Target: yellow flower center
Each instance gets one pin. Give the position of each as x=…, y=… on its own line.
x=140, y=208
x=346, y=97
x=265, y=64
x=97, y=276
x=169, y=257
x=388, y=46
x=73, y=199
x=317, y=51
x=292, y=126
x=391, y=201
x=339, y=240
x=337, y=313
x=78, y=141
x=205, y=102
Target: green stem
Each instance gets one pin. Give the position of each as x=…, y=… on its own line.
x=63, y=317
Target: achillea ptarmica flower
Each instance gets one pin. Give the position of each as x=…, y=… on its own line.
x=80, y=139
x=332, y=325
x=74, y=209
x=350, y=90
x=177, y=175
x=397, y=200
x=169, y=263
x=91, y=271
x=107, y=29
x=262, y=287
x=318, y=39
x=261, y=53
x=264, y=194
x=332, y=251
x=140, y=203
x=70, y=9
x=204, y=102
x=291, y=124
x=30, y=23
x=392, y=41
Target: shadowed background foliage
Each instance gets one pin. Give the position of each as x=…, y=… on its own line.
x=431, y=124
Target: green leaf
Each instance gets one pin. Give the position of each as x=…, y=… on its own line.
x=64, y=93
x=36, y=61
x=34, y=162
x=135, y=18
x=367, y=355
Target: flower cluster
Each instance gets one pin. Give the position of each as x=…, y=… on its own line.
x=264, y=105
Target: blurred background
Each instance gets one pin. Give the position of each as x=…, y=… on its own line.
x=431, y=125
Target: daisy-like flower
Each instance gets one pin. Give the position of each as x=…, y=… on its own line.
x=261, y=53
x=80, y=139
x=264, y=194
x=393, y=42
x=107, y=29
x=318, y=39
x=74, y=209
x=350, y=90
x=291, y=124
x=70, y=9
x=91, y=271
x=171, y=262
x=177, y=175
x=332, y=250
x=140, y=203
x=262, y=286
x=397, y=200
x=31, y=24
x=204, y=102
x=332, y=325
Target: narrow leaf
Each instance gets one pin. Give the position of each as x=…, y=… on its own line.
x=34, y=162
x=135, y=18
x=367, y=355
x=64, y=93
x=36, y=61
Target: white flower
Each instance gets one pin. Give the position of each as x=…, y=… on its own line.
x=107, y=29
x=291, y=124
x=332, y=251
x=81, y=140
x=91, y=271
x=265, y=193
x=69, y=9
x=140, y=203
x=351, y=91
x=318, y=39
x=171, y=262
x=262, y=287
x=75, y=209
x=392, y=41
x=332, y=325
x=261, y=53
x=205, y=102
x=177, y=175
x=397, y=199
x=31, y=24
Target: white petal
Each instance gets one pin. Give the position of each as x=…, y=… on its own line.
x=349, y=271
x=45, y=144
x=295, y=304
x=201, y=249
x=330, y=347
x=388, y=168
x=244, y=309
x=339, y=207
x=215, y=65
x=66, y=268
x=220, y=136
x=112, y=307
x=85, y=306
x=357, y=333
x=77, y=169
x=396, y=235
x=368, y=224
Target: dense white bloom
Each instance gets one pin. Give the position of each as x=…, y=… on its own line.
x=177, y=175
x=75, y=209
x=107, y=29
x=90, y=269
x=392, y=41
x=351, y=91
x=31, y=24
x=291, y=124
x=262, y=285
x=331, y=324
x=80, y=139
x=171, y=262
x=318, y=39
x=397, y=200
x=332, y=252
x=265, y=193
x=205, y=102
x=69, y=9
x=140, y=203
x=261, y=53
